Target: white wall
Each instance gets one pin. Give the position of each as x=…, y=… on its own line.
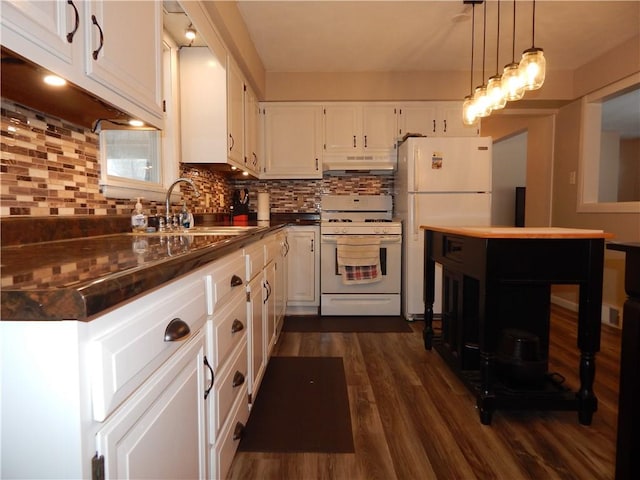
x=509, y=171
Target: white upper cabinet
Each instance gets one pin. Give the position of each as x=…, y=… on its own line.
x=203, y=106
x=252, y=160
x=124, y=49
x=434, y=119
x=111, y=49
x=360, y=129
x=292, y=140
x=235, y=114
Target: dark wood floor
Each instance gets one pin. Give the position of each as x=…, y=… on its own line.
x=413, y=419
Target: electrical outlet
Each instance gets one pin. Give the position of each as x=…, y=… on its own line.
x=207, y=200
x=572, y=177
x=221, y=199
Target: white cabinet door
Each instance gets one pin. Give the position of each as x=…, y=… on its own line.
x=235, y=114
x=256, y=339
x=359, y=128
x=303, y=264
x=124, y=48
x=281, y=280
x=343, y=128
x=203, y=106
x=450, y=117
x=251, y=118
x=270, y=288
x=160, y=431
x=292, y=141
x=419, y=118
x=42, y=31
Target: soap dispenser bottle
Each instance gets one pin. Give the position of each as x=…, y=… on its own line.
x=138, y=218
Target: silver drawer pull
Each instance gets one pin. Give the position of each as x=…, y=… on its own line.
x=236, y=326
x=238, y=379
x=176, y=330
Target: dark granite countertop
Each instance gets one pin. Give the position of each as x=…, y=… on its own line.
x=81, y=277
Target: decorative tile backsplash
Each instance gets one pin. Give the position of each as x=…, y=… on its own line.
x=50, y=167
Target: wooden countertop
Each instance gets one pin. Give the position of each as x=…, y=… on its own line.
x=519, y=232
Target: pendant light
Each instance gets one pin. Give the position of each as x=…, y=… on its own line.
x=512, y=84
x=533, y=64
x=480, y=98
x=469, y=116
x=494, y=85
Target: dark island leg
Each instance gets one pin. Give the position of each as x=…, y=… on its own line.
x=589, y=318
x=429, y=289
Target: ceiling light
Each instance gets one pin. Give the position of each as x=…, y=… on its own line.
x=512, y=84
x=533, y=63
x=494, y=85
x=482, y=101
x=54, y=80
x=469, y=115
x=190, y=33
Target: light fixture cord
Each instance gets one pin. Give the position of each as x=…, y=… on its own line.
x=473, y=34
x=533, y=26
x=513, y=48
x=484, y=38
x=498, y=41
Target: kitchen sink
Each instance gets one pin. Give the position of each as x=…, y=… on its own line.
x=222, y=230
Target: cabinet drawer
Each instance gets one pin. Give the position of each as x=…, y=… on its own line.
x=229, y=327
x=227, y=275
x=271, y=249
x=229, y=439
x=134, y=347
x=228, y=385
x=254, y=255
x=452, y=248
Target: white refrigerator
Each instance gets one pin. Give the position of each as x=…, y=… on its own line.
x=440, y=181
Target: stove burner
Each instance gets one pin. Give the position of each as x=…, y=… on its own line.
x=376, y=220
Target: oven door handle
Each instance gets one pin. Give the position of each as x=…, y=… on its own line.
x=384, y=239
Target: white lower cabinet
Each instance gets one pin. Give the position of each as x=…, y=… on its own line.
x=160, y=431
x=303, y=267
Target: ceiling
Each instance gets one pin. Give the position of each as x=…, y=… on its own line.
x=375, y=36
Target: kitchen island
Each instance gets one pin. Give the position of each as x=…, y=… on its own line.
x=496, y=282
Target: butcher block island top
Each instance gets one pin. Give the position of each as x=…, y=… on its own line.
x=519, y=232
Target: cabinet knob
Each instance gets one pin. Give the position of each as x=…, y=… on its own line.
x=238, y=431
x=236, y=326
x=176, y=330
x=236, y=281
x=238, y=379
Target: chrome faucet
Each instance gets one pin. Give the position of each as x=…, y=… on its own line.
x=168, y=199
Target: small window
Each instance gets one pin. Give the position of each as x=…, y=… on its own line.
x=132, y=154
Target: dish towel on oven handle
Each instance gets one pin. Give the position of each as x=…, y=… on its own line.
x=359, y=259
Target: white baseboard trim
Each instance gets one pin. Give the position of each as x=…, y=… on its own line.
x=610, y=314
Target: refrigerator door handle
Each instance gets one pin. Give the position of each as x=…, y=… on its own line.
x=413, y=215
x=414, y=177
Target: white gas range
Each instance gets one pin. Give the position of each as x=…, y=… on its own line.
x=369, y=220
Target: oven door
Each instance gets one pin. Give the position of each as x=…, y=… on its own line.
x=390, y=263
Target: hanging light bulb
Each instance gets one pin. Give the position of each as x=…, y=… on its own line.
x=480, y=97
x=494, y=85
x=533, y=64
x=512, y=84
x=469, y=115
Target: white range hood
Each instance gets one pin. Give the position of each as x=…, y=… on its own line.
x=370, y=164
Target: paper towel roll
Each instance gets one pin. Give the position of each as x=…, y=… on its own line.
x=263, y=206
